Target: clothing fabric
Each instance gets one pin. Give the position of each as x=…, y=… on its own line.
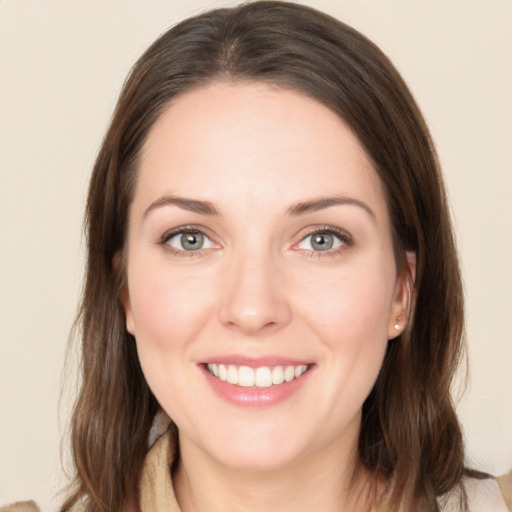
x=156, y=489
x=157, y=492
x=21, y=506
x=505, y=483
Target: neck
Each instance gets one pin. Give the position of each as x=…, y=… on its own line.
x=330, y=481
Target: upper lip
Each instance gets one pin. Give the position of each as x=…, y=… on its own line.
x=255, y=362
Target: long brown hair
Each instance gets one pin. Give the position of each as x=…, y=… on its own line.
x=410, y=433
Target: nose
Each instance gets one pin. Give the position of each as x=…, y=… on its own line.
x=254, y=298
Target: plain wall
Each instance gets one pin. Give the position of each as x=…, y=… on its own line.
x=62, y=63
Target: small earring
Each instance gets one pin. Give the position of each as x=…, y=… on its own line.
x=397, y=325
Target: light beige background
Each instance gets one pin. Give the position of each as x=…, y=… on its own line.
x=62, y=63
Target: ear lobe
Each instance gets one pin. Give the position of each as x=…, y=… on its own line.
x=124, y=295
x=402, y=300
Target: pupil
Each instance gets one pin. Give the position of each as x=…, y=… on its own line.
x=322, y=242
x=192, y=241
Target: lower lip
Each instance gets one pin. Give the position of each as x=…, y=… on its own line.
x=255, y=397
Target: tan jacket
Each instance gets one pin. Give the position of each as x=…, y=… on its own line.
x=157, y=492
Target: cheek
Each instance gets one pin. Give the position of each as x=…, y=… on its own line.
x=350, y=305
x=168, y=308
x=347, y=319
x=350, y=318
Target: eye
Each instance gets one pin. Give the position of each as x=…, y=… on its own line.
x=189, y=241
x=323, y=240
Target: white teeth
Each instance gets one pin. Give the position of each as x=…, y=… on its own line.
x=289, y=373
x=223, y=373
x=299, y=370
x=262, y=377
x=232, y=376
x=245, y=377
x=278, y=375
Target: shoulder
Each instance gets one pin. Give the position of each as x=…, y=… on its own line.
x=21, y=506
x=483, y=495
x=31, y=506
x=505, y=483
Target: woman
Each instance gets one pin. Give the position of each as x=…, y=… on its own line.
x=271, y=264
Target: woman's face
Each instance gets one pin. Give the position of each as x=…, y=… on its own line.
x=262, y=285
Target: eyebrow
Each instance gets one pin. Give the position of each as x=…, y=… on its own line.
x=192, y=205
x=302, y=208
x=326, y=202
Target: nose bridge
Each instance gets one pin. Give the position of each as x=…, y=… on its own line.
x=254, y=298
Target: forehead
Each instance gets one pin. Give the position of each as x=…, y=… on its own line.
x=253, y=142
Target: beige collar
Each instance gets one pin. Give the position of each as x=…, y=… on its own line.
x=156, y=490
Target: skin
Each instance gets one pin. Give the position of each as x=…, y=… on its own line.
x=260, y=288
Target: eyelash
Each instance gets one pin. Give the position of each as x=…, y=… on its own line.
x=164, y=241
x=342, y=235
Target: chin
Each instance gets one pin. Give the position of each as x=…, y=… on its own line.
x=260, y=449
x=258, y=458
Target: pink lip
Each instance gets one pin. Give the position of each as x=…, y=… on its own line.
x=254, y=397
x=255, y=362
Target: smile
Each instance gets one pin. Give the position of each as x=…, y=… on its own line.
x=261, y=377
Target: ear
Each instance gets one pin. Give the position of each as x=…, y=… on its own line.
x=124, y=294
x=402, y=299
